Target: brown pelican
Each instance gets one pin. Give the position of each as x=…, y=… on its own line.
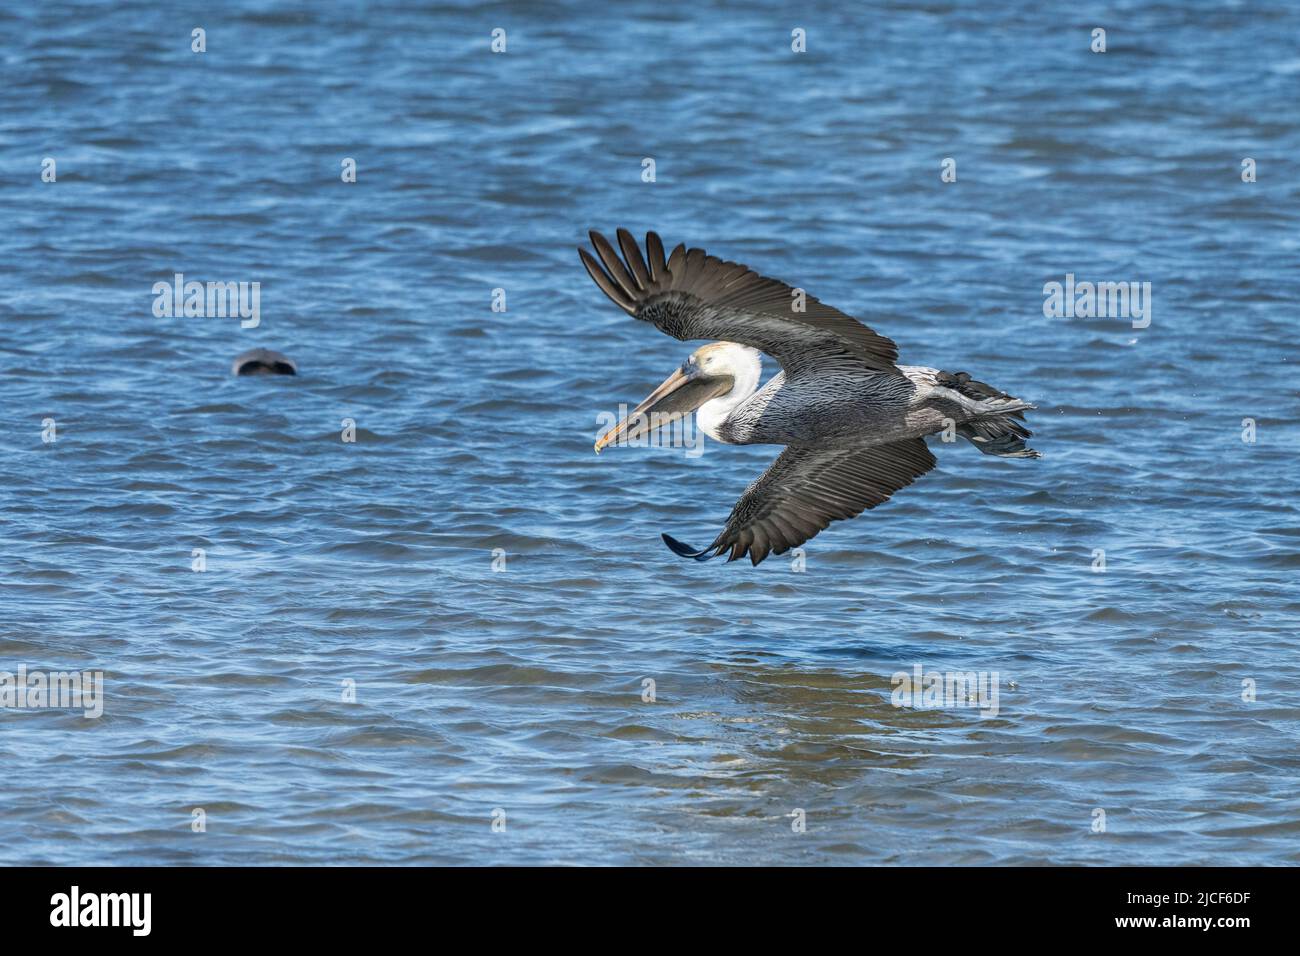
x=851, y=420
x=263, y=362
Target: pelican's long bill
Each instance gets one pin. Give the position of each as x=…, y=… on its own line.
x=681, y=393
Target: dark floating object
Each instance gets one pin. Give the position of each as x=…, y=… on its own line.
x=264, y=362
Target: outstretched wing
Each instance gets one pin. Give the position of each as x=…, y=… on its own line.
x=693, y=295
x=807, y=488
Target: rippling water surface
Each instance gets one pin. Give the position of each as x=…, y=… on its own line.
x=334, y=565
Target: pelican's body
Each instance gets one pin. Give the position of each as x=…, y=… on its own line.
x=853, y=421
x=835, y=407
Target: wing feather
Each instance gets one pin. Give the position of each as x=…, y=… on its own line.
x=693, y=295
x=607, y=286
x=807, y=488
x=614, y=265
x=632, y=253
x=654, y=248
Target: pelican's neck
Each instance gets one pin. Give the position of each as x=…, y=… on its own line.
x=747, y=370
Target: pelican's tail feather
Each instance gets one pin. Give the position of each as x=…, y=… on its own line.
x=998, y=428
x=1001, y=436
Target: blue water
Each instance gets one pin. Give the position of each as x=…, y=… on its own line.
x=516, y=695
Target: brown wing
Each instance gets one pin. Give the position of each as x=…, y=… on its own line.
x=807, y=488
x=693, y=295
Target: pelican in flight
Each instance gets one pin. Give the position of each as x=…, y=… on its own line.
x=852, y=420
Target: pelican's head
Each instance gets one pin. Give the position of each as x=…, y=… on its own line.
x=713, y=371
